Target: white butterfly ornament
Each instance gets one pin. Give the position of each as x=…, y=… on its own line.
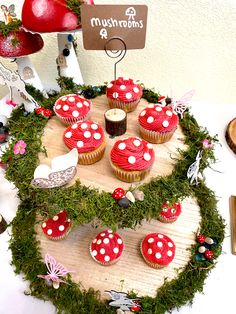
x=181, y=105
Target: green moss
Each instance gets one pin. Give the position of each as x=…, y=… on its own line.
x=84, y=204
x=6, y=29
x=74, y=5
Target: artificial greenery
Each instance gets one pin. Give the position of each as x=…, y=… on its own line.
x=74, y=5
x=13, y=26
x=85, y=204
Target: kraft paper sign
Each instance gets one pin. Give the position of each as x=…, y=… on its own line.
x=100, y=23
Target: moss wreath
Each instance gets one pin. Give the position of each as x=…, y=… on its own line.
x=84, y=204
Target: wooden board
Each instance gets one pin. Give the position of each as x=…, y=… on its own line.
x=131, y=272
x=230, y=135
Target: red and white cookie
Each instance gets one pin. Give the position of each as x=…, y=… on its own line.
x=72, y=108
x=107, y=247
x=57, y=227
x=170, y=213
x=158, y=250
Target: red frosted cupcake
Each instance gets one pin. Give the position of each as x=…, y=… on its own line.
x=124, y=94
x=170, y=213
x=107, y=247
x=131, y=159
x=157, y=124
x=158, y=250
x=72, y=108
x=57, y=227
x=88, y=138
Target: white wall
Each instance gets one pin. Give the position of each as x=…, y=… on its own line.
x=190, y=45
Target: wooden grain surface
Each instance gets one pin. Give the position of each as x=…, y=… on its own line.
x=230, y=135
x=131, y=272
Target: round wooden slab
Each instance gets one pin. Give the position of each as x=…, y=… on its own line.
x=230, y=135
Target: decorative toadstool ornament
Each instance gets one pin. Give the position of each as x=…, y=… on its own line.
x=56, y=16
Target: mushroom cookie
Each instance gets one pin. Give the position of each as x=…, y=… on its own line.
x=88, y=138
x=107, y=247
x=57, y=227
x=124, y=94
x=170, y=213
x=158, y=250
x=157, y=124
x=72, y=108
x=131, y=159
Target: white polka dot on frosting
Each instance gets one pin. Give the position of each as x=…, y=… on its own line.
x=103, y=234
x=49, y=232
x=44, y=225
x=170, y=244
x=119, y=241
x=97, y=136
x=169, y=253
x=95, y=241
x=143, y=113
x=61, y=228
x=122, y=146
x=107, y=258
x=136, y=143
x=150, y=240
x=131, y=160
x=160, y=236
x=64, y=98
x=158, y=255
x=136, y=90
x=158, y=108
x=122, y=87
x=169, y=113
x=149, y=146
x=68, y=134
x=151, y=106
x=55, y=218
x=94, y=253
x=115, y=95
x=84, y=126
x=159, y=244
x=94, y=126
x=174, y=112
x=111, y=236
x=116, y=250
x=128, y=95
x=110, y=85
x=87, y=134
x=75, y=114
x=99, y=242
x=150, y=119
x=80, y=144
x=58, y=107
x=147, y=157
x=109, y=231
x=74, y=126
x=106, y=241
x=102, y=251
x=149, y=251
x=79, y=105
x=165, y=123
x=68, y=220
x=65, y=107
x=86, y=103
x=71, y=99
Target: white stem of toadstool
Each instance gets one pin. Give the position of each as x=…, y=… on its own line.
x=28, y=73
x=72, y=68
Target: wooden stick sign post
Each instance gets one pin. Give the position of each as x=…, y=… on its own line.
x=100, y=23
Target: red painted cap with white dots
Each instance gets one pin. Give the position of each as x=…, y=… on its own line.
x=170, y=212
x=124, y=90
x=72, y=105
x=86, y=136
x=107, y=247
x=57, y=227
x=158, y=250
x=132, y=153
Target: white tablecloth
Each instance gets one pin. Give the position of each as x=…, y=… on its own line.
x=219, y=289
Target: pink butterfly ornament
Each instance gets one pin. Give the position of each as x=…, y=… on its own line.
x=55, y=270
x=181, y=105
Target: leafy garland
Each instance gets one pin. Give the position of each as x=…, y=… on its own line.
x=84, y=204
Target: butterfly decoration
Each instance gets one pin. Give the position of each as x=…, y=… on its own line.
x=121, y=301
x=55, y=270
x=181, y=105
x=193, y=170
x=9, y=13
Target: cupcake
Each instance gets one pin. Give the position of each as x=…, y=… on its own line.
x=72, y=108
x=124, y=94
x=170, y=213
x=158, y=250
x=88, y=138
x=131, y=159
x=107, y=247
x=57, y=227
x=157, y=124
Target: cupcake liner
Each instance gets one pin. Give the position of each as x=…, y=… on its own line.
x=154, y=265
x=105, y=263
x=129, y=176
x=126, y=106
x=93, y=156
x=60, y=237
x=155, y=137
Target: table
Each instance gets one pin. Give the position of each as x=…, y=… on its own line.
x=219, y=292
